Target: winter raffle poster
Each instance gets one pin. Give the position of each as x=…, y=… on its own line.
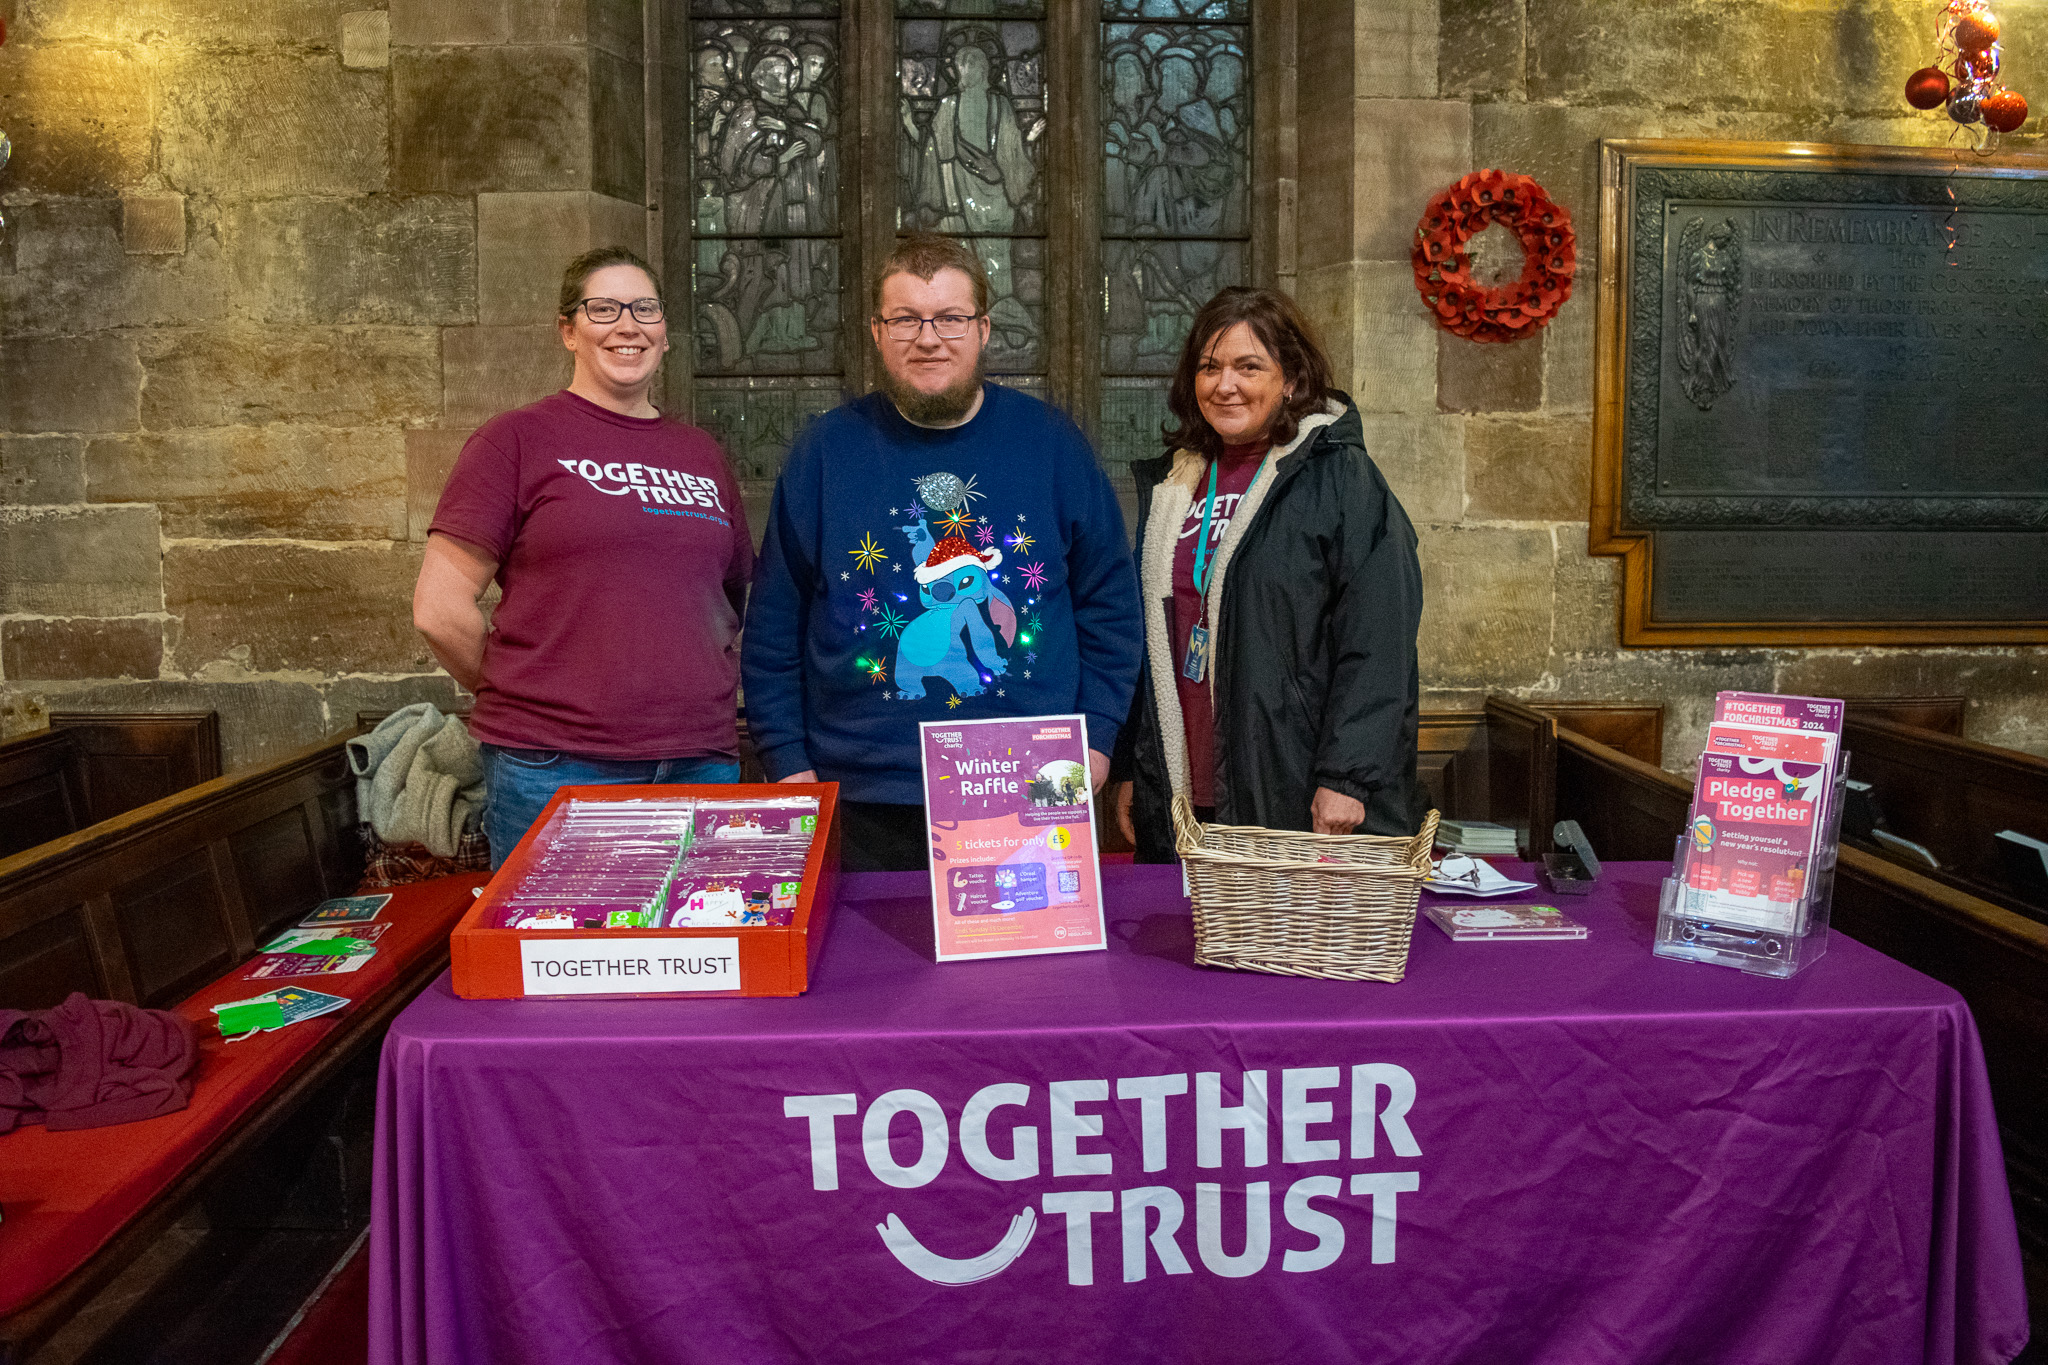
x=1012, y=819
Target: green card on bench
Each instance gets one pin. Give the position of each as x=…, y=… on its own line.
x=330, y=947
x=250, y=1015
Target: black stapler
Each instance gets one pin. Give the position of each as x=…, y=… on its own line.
x=1572, y=868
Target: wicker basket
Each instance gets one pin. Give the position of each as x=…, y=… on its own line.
x=1338, y=906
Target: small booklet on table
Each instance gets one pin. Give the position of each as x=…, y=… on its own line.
x=1463, y=922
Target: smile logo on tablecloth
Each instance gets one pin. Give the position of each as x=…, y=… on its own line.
x=1172, y=1116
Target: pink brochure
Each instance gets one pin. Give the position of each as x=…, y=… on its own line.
x=1012, y=821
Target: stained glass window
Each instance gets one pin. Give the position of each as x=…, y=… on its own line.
x=1176, y=195
x=764, y=163
x=971, y=159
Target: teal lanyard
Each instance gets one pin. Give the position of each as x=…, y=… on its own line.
x=1201, y=572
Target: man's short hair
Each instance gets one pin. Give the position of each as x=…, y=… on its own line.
x=925, y=254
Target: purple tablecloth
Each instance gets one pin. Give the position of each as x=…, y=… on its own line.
x=1606, y=1158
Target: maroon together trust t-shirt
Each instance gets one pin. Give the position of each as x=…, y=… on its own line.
x=624, y=556
x=1234, y=474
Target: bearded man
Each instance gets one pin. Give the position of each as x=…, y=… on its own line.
x=945, y=548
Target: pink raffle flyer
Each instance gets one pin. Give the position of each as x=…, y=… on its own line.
x=1012, y=821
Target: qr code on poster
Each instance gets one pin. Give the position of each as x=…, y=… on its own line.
x=1070, y=882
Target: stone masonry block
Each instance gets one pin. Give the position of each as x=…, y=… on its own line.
x=396, y=259
x=88, y=383
x=1423, y=460
x=1486, y=612
x=153, y=224
x=554, y=21
x=524, y=240
x=39, y=470
x=1528, y=469
x=489, y=370
x=266, y=124
x=1488, y=376
x=366, y=39
x=1480, y=47
x=439, y=23
x=1396, y=47
x=1407, y=150
x=1748, y=54
x=190, y=23
x=73, y=273
x=1588, y=596
x=1391, y=344
x=100, y=561
x=334, y=376
x=79, y=117
x=1568, y=354
x=479, y=118
x=618, y=126
x=272, y=608
x=1991, y=678
x=60, y=650
x=244, y=482
x=429, y=459
x=614, y=26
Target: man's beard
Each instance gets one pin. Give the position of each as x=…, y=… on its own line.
x=943, y=408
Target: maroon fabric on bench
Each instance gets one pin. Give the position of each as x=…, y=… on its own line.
x=91, y=1063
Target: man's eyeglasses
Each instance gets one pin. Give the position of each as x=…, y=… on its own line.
x=608, y=310
x=947, y=326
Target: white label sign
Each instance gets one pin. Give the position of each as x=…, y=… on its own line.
x=628, y=966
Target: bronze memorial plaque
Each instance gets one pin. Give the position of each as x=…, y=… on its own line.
x=1822, y=409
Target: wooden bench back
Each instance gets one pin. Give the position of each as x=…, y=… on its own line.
x=1497, y=764
x=149, y=905
x=1952, y=795
x=91, y=766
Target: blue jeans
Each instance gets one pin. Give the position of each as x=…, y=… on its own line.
x=522, y=781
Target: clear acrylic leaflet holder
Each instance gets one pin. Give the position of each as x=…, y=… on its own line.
x=1686, y=930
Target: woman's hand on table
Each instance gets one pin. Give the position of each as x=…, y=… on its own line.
x=1098, y=769
x=1120, y=801
x=1335, y=813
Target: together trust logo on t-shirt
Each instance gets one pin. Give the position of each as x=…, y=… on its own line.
x=651, y=483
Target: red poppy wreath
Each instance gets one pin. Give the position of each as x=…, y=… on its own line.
x=1443, y=266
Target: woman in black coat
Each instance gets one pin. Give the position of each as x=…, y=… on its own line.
x=1282, y=597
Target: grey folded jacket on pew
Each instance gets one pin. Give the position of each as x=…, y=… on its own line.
x=419, y=779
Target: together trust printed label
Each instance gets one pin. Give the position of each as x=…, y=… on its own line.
x=628, y=966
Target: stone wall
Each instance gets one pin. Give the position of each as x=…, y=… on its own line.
x=270, y=262
x=1489, y=445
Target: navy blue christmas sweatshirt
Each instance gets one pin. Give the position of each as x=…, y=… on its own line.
x=909, y=574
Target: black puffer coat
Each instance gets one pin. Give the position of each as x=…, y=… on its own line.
x=1314, y=606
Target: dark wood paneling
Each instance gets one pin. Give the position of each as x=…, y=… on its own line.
x=129, y=759
x=279, y=871
x=174, y=928
x=1629, y=809
x=44, y=963
x=1521, y=766
x=1943, y=715
x=35, y=810
x=1953, y=795
x=1452, y=762
x=1634, y=728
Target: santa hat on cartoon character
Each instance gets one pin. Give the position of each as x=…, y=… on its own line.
x=954, y=553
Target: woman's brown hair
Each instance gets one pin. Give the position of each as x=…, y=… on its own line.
x=1277, y=321
x=589, y=263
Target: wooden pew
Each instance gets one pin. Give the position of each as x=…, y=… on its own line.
x=158, y=907
x=91, y=766
x=1952, y=795
x=1996, y=959
x=1497, y=764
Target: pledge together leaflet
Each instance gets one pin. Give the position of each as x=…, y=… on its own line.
x=1760, y=809
x=1012, y=819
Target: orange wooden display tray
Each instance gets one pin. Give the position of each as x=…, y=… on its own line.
x=775, y=959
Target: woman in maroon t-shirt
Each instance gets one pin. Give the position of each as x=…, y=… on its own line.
x=1282, y=597
x=618, y=540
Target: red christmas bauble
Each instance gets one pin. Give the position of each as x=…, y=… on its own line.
x=1975, y=32
x=2004, y=110
x=1927, y=88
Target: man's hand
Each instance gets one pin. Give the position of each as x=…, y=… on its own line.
x=1335, y=813
x=1120, y=798
x=807, y=775
x=1098, y=768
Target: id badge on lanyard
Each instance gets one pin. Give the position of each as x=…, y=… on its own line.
x=1195, y=666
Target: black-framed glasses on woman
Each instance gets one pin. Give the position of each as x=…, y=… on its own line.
x=947, y=326
x=608, y=310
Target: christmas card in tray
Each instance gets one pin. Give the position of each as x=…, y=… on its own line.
x=658, y=891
